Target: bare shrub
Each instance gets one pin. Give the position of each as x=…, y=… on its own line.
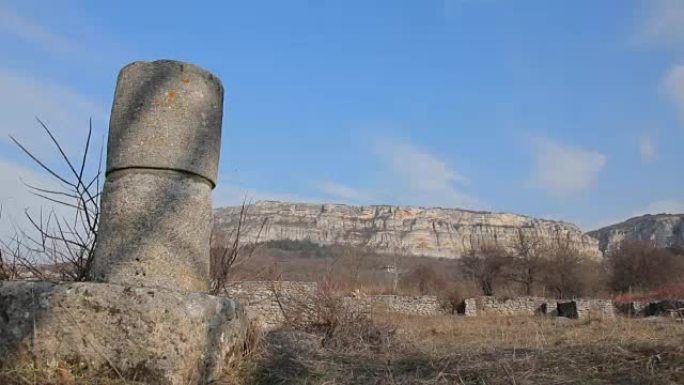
x=453, y=293
x=640, y=266
x=343, y=324
x=9, y=263
x=424, y=278
x=64, y=241
x=228, y=251
x=9, y=269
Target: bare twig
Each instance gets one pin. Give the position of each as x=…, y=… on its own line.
x=64, y=241
x=231, y=251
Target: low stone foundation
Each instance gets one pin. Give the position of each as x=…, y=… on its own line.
x=632, y=309
x=519, y=306
x=263, y=299
x=528, y=306
x=154, y=335
x=595, y=308
x=668, y=307
x=425, y=305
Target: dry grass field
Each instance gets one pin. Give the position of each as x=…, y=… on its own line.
x=485, y=350
x=395, y=349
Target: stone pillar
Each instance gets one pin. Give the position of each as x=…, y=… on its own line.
x=162, y=162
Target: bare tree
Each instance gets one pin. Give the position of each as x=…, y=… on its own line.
x=564, y=273
x=484, y=263
x=355, y=258
x=640, y=265
x=65, y=241
x=528, y=260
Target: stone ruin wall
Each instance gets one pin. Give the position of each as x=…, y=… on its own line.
x=264, y=306
x=519, y=306
x=595, y=308
x=666, y=307
x=528, y=306
x=425, y=305
x=263, y=300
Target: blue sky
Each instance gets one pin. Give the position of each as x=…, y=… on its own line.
x=568, y=110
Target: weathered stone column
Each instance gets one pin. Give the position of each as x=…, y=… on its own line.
x=147, y=322
x=162, y=162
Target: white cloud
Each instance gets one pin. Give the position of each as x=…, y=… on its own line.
x=66, y=112
x=31, y=32
x=563, y=169
x=338, y=190
x=647, y=148
x=410, y=176
x=662, y=23
x=421, y=178
x=673, y=84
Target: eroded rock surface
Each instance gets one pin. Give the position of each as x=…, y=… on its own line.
x=435, y=232
x=666, y=230
x=153, y=335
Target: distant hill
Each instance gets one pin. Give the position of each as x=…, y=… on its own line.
x=667, y=230
x=434, y=232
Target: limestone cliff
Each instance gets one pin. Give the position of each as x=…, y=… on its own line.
x=435, y=232
x=667, y=230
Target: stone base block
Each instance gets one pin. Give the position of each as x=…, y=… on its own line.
x=154, y=335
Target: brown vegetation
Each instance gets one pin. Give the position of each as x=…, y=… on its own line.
x=343, y=325
x=227, y=251
x=448, y=350
x=529, y=262
x=531, y=267
x=641, y=267
x=444, y=350
x=485, y=264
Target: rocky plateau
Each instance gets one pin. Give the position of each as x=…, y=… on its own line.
x=666, y=230
x=434, y=232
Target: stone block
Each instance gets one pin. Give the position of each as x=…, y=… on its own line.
x=568, y=309
x=673, y=308
x=469, y=307
x=166, y=115
x=155, y=335
x=155, y=231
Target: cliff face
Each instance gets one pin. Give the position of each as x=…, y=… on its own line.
x=667, y=230
x=432, y=232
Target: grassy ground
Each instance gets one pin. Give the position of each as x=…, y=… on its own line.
x=449, y=350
